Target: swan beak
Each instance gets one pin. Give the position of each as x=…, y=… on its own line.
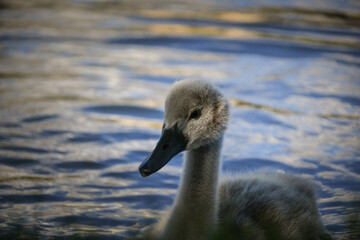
x=172, y=142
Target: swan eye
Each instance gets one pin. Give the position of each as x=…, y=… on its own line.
x=195, y=113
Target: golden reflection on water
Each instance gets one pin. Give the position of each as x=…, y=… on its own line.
x=257, y=16
x=179, y=70
x=230, y=16
x=132, y=122
x=242, y=103
x=186, y=30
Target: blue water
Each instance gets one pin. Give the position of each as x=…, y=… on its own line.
x=82, y=89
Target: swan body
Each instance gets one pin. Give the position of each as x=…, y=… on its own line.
x=257, y=206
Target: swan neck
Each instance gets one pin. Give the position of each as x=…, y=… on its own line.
x=198, y=192
x=201, y=172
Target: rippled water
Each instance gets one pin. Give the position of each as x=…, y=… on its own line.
x=82, y=86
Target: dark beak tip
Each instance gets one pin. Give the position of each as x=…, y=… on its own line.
x=144, y=172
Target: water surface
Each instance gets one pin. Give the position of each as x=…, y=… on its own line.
x=82, y=89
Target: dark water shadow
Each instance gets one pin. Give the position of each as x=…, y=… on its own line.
x=17, y=231
x=345, y=204
x=5, y=187
x=17, y=161
x=149, y=201
x=7, y=136
x=35, y=198
x=353, y=166
x=347, y=62
x=349, y=210
x=10, y=125
x=91, y=221
x=24, y=231
x=88, y=137
x=30, y=150
x=113, y=162
x=345, y=183
x=38, y=187
x=39, y=118
x=73, y=166
x=52, y=133
x=28, y=43
x=128, y=110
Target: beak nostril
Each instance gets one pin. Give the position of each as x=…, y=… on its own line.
x=165, y=146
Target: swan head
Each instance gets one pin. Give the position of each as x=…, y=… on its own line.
x=196, y=114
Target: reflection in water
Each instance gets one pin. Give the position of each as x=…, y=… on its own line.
x=82, y=86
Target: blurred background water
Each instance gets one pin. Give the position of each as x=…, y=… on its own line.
x=82, y=88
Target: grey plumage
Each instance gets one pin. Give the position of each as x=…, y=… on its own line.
x=269, y=206
x=252, y=206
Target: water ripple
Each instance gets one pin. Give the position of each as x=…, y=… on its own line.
x=39, y=118
x=82, y=87
x=134, y=111
x=17, y=161
x=79, y=165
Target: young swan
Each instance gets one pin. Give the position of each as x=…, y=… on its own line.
x=255, y=206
